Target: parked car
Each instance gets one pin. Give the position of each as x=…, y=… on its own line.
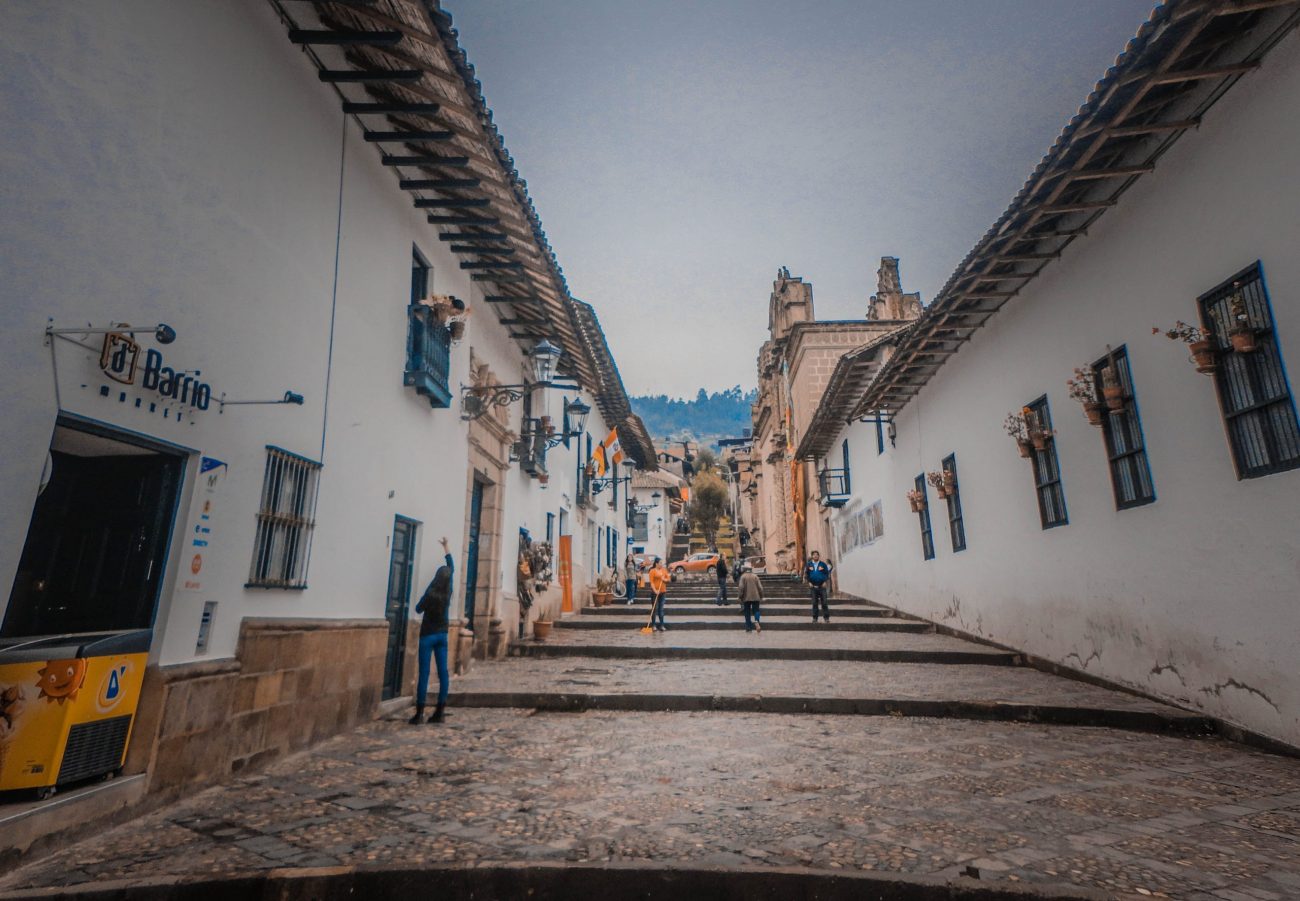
x=695, y=563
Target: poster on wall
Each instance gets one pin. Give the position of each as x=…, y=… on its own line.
x=198, y=531
x=859, y=529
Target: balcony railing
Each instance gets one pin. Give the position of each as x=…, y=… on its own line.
x=428, y=356
x=834, y=484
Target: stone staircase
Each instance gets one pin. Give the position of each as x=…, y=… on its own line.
x=868, y=660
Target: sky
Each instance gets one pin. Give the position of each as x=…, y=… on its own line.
x=680, y=153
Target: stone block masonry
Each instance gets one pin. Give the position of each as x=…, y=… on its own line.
x=292, y=682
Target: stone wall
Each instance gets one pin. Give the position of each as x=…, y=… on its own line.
x=292, y=682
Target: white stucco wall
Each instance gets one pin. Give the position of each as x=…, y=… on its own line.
x=1194, y=597
x=181, y=163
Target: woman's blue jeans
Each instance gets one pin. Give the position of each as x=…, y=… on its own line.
x=657, y=615
x=631, y=590
x=435, y=646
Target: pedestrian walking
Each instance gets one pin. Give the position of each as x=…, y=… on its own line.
x=751, y=595
x=659, y=579
x=817, y=573
x=629, y=575
x=434, y=604
x=721, y=597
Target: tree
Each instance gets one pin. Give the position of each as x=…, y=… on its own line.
x=705, y=460
x=708, y=504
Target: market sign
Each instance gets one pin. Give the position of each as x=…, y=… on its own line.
x=119, y=360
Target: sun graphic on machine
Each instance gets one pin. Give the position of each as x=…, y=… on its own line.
x=60, y=680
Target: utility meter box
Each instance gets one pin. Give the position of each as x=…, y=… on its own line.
x=67, y=704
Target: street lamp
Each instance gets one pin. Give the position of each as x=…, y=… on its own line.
x=578, y=412
x=599, y=485
x=478, y=399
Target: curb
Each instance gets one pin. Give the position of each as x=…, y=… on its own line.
x=643, y=881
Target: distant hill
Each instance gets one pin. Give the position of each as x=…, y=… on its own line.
x=707, y=418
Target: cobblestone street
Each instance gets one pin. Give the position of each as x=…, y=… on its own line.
x=1121, y=810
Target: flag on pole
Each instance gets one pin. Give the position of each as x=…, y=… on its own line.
x=597, y=463
x=613, y=448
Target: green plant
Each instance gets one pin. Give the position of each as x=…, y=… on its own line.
x=708, y=504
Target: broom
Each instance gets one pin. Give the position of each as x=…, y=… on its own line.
x=654, y=604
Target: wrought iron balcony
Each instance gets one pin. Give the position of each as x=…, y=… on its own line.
x=834, y=484
x=428, y=356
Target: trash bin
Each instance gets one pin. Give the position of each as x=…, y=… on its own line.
x=67, y=703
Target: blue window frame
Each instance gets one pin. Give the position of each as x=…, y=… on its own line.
x=927, y=534
x=428, y=341
x=1130, y=472
x=1047, y=471
x=956, y=523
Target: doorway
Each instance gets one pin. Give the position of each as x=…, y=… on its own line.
x=471, y=551
x=401, y=563
x=97, y=544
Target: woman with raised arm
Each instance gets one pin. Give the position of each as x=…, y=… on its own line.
x=434, y=605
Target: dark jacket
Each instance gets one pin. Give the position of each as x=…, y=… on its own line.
x=435, y=602
x=722, y=569
x=817, y=572
x=751, y=589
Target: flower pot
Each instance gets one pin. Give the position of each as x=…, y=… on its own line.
x=949, y=483
x=1203, y=356
x=1026, y=449
x=602, y=598
x=457, y=330
x=1114, y=395
x=542, y=629
x=1038, y=440
x=1095, y=410
x=1243, y=340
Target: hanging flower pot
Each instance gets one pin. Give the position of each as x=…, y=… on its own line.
x=457, y=330
x=1026, y=449
x=1244, y=340
x=1039, y=438
x=916, y=499
x=1200, y=342
x=1114, y=395
x=1203, y=356
x=1095, y=411
x=949, y=483
x=543, y=479
x=1016, y=426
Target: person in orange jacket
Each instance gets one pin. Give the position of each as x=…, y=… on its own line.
x=659, y=579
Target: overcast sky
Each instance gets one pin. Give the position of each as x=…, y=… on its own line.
x=679, y=153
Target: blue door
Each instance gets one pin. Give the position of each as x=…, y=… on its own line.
x=398, y=602
x=471, y=555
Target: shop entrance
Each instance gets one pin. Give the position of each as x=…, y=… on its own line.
x=97, y=544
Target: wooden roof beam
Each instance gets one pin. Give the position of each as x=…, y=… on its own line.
x=1116, y=172
x=472, y=236
x=1026, y=257
x=1121, y=131
x=1077, y=206
x=386, y=107
x=436, y=184
x=488, y=250
x=1208, y=72
x=406, y=137
x=342, y=36
x=366, y=76
x=451, y=162
x=452, y=203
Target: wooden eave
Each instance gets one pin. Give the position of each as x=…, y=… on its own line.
x=1182, y=60
x=469, y=148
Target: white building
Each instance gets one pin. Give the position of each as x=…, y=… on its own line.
x=655, y=497
x=231, y=170
x=1159, y=549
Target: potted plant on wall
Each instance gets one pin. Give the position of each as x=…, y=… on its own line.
x=1198, y=340
x=1015, y=426
x=604, y=593
x=943, y=481
x=916, y=498
x=1038, y=435
x=1083, y=388
x=1111, y=389
x=1244, y=338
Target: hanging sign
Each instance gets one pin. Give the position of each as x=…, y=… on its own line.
x=120, y=357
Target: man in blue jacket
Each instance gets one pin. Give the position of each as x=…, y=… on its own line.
x=818, y=575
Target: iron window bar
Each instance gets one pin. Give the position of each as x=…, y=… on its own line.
x=1130, y=469
x=1254, y=395
x=286, y=521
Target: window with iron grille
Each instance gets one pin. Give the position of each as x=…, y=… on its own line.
x=956, y=525
x=1258, y=409
x=927, y=534
x=286, y=519
x=428, y=341
x=1130, y=472
x=1047, y=470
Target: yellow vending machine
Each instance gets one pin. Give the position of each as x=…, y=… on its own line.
x=67, y=704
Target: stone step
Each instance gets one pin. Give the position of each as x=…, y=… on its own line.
x=574, y=683
x=764, y=651
x=732, y=610
x=778, y=623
